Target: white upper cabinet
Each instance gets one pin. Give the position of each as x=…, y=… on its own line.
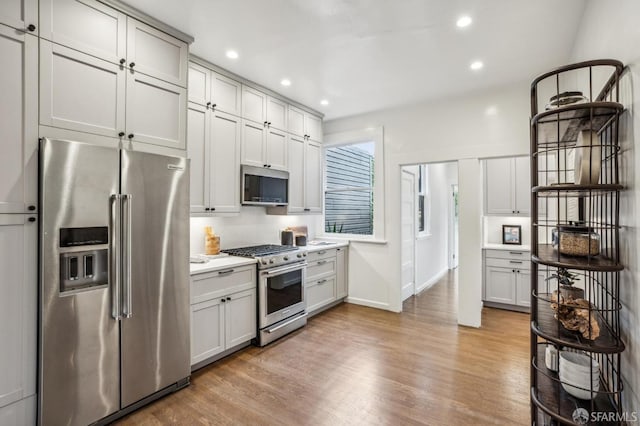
x=20, y=14
x=226, y=94
x=254, y=105
x=156, y=53
x=156, y=111
x=302, y=123
x=507, y=186
x=224, y=181
x=87, y=26
x=305, y=176
x=81, y=92
x=313, y=127
x=296, y=121
x=277, y=113
x=522, y=185
x=313, y=178
x=18, y=122
x=214, y=90
x=297, y=146
x=198, y=151
x=276, y=149
x=253, y=135
x=199, y=84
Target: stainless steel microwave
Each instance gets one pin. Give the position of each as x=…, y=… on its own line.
x=264, y=187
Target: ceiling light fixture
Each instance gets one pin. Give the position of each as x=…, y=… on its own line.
x=286, y=82
x=464, y=21
x=476, y=65
x=232, y=54
x=324, y=102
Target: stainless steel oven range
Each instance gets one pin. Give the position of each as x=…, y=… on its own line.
x=281, y=298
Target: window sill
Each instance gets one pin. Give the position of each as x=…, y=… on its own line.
x=352, y=238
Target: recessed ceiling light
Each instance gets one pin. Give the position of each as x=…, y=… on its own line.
x=285, y=82
x=232, y=54
x=324, y=102
x=464, y=21
x=476, y=65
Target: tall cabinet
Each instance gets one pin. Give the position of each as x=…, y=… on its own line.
x=575, y=228
x=18, y=211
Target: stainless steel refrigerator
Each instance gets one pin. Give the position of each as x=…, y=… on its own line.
x=114, y=280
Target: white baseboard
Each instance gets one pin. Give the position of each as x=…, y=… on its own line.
x=369, y=303
x=437, y=277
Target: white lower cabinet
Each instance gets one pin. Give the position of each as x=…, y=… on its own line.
x=18, y=317
x=223, y=312
x=507, y=278
x=86, y=94
x=326, y=280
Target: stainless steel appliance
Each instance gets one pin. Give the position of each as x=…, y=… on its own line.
x=262, y=186
x=114, y=281
x=281, y=296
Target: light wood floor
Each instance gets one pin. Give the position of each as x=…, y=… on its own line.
x=357, y=365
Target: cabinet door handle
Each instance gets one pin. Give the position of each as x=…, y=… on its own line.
x=207, y=209
x=516, y=252
x=130, y=135
x=222, y=300
x=208, y=104
x=31, y=208
x=121, y=134
x=518, y=271
x=122, y=61
x=132, y=64
x=322, y=252
x=513, y=270
x=32, y=219
x=307, y=210
x=322, y=281
x=265, y=123
x=213, y=209
x=264, y=165
x=226, y=272
x=31, y=28
x=322, y=262
x=519, y=262
x=228, y=298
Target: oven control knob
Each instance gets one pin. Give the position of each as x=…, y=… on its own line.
x=304, y=254
x=285, y=258
x=272, y=260
x=264, y=261
x=299, y=255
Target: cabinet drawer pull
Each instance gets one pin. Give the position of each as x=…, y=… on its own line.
x=322, y=252
x=519, y=262
x=516, y=252
x=322, y=281
x=322, y=262
x=226, y=272
x=307, y=210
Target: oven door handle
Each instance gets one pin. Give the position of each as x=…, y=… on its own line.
x=295, y=267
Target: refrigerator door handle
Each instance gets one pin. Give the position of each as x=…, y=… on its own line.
x=127, y=310
x=115, y=252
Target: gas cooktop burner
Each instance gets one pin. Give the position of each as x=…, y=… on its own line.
x=259, y=251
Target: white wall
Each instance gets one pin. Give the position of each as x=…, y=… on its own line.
x=432, y=251
x=611, y=30
x=253, y=226
x=487, y=124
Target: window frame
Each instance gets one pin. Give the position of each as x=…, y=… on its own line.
x=424, y=190
x=333, y=140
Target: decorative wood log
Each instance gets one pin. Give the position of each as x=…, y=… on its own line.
x=574, y=315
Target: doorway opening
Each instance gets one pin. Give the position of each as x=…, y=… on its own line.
x=429, y=225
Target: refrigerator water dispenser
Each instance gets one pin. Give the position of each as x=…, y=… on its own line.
x=83, y=258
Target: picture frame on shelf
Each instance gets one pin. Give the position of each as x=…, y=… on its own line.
x=512, y=234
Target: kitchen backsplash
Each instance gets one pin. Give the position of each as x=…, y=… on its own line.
x=253, y=226
x=493, y=228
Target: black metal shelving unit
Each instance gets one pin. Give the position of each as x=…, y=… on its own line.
x=558, y=201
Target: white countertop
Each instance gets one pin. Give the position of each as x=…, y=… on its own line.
x=222, y=263
x=508, y=247
x=311, y=247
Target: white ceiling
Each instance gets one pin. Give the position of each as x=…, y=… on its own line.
x=365, y=55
